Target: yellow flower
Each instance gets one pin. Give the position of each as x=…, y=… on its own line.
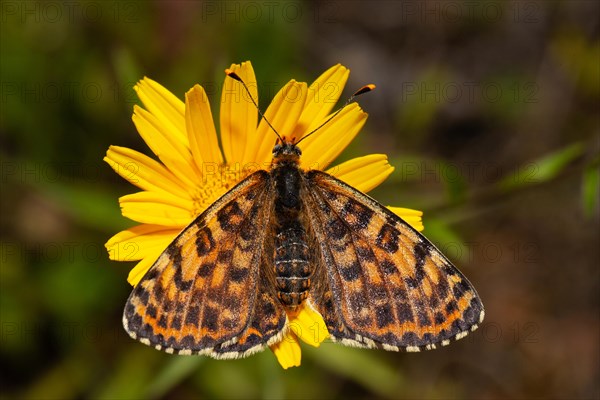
x=193, y=171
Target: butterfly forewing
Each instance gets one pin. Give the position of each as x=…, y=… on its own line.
x=206, y=293
x=386, y=285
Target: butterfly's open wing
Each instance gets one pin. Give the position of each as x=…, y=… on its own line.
x=388, y=286
x=206, y=293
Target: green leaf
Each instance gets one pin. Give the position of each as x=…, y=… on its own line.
x=373, y=373
x=542, y=169
x=131, y=374
x=175, y=371
x=92, y=206
x=454, y=181
x=590, y=190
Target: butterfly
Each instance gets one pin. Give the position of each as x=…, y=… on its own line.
x=285, y=236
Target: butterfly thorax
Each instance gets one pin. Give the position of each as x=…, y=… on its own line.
x=291, y=252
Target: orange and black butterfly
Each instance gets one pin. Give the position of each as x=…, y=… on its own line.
x=284, y=236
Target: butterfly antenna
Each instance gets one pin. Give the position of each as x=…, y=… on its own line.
x=235, y=76
x=362, y=90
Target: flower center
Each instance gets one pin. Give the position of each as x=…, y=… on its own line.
x=215, y=184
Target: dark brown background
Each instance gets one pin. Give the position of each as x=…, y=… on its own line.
x=488, y=111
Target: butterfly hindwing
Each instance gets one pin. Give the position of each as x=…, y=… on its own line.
x=386, y=285
x=203, y=295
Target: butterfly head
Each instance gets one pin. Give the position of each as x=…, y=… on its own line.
x=286, y=151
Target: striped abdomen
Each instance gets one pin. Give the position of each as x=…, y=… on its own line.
x=292, y=267
x=291, y=257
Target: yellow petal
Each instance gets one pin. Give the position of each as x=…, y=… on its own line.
x=238, y=114
x=201, y=128
x=308, y=325
x=165, y=106
x=322, y=96
x=320, y=149
x=161, y=198
x=283, y=114
x=140, y=269
x=288, y=351
x=144, y=172
x=150, y=208
x=172, y=153
x=363, y=173
x=139, y=242
x=412, y=217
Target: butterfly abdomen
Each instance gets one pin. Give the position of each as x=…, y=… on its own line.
x=291, y=257
x=292, y=267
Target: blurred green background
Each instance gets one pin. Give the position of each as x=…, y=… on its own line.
x=488, y=111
